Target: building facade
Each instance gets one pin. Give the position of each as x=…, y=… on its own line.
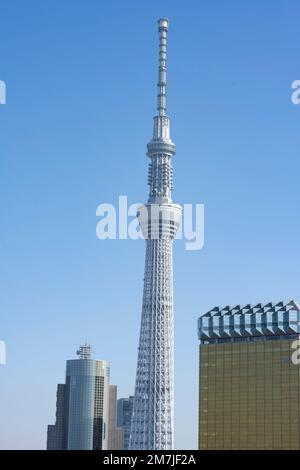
x=249, y=390
x=57, y=433
x=82, y=405
x=124, y=417
x=115, y=433
x=152, y=422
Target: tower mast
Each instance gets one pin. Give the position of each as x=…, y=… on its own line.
x=152, y=422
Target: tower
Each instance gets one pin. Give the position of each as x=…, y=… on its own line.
x=82, y=405
x=152, y=422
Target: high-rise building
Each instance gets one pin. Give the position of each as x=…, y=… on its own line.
x=57, y=433
x=115, y=439
x=82, y=405
x=124, y=417
x=152, y=421
x=249, y=381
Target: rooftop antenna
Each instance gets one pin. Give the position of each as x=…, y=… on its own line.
x=84, y=351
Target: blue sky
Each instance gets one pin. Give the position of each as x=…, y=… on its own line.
x=81, y=85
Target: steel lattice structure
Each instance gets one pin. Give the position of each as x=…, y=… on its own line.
x=152, y=422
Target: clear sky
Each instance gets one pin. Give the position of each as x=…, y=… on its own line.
x=81, y=85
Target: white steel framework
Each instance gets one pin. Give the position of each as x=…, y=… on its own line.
x=152, y=422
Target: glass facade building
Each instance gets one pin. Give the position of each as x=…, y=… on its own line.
x=124, y=417
x=88, y=404
x=57, y=433
x=82, y=406
x=249, y=390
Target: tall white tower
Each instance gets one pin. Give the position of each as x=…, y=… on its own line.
x=152, y=421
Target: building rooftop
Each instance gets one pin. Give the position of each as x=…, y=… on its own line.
x=250, y=320
x=84, y=351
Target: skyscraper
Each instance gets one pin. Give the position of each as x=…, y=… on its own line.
x=124, y=417
x=82, y=405
x=57, y=433
x=249, y=383
x=152, y=421
x=115, y=438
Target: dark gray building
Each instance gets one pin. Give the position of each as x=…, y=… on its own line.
x=58, y=432
x=124, y=416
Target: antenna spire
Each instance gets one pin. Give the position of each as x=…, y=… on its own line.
x=84, y=351
x=163, y=26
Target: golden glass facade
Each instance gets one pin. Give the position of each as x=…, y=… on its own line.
x=249, y=396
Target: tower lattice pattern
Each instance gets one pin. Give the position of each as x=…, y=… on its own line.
x=152, y=422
